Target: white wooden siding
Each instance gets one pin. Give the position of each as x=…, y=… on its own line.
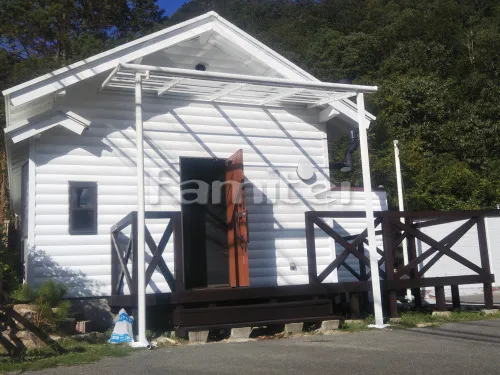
x=275, y=142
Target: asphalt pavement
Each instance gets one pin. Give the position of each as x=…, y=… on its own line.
x=461, y=348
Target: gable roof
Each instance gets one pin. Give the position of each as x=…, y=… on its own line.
x=60, y=79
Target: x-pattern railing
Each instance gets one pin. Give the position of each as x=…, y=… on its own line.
x=406, y=226
x=409, y=225
x=355, y=248
x=122, y=253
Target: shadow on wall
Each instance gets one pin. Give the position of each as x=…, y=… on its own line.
x=42, y=267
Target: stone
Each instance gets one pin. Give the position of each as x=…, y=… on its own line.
x=198, y=337
x=165, y=341
x=28, y=339
x=26, y=314
x=294, y=328
x=443, y=314
x=25, y=310
x=242, y=333
x=394, y=320
x=329, y=325
x=490, y=311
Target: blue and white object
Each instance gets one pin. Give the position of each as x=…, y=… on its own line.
x=122, y=333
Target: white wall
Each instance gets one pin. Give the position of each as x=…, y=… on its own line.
x=272, y=140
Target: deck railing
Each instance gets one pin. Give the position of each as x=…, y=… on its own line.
x=124, y=250
x=396, y=228
x=399, y=226
x=355, y=247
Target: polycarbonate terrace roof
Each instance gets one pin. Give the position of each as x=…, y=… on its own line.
x=205, y=86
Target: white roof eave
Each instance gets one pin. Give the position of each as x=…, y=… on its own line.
x=64, y=77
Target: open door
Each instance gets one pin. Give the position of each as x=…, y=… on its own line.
x=237, y=235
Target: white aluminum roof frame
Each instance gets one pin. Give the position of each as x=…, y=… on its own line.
x=233, y=88
x=212, y=87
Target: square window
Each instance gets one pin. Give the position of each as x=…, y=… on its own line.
x=83, y=208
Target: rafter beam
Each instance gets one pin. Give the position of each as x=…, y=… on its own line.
x=169, y=86
x=110, y=77
x=331, y=99
x=279, y=96
x=228, y=90
x=327, y=114
x=205, y=37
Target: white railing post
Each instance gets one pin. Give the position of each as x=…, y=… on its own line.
x=141, y=222
x=401, y=205
x=370, y=218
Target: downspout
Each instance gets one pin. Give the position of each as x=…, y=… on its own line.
x=346, y=165
x=353, y=146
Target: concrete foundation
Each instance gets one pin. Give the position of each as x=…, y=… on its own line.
x=294, y=328
x=242, y=333
x=198, y=337
x=329, y=325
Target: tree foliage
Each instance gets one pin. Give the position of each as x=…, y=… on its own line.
x=436, y=63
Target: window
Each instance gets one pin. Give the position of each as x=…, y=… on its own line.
x=83, y=208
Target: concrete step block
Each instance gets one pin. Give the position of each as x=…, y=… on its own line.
x=329, y=325
x=198, y=337
x=242, y=333
x=294, y=328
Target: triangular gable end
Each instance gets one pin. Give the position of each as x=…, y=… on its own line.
x=148, y=45
x=205, y=32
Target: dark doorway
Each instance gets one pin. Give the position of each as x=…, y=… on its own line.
x=204, y=223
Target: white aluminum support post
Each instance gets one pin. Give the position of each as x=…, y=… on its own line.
x=141, y=222
x=401, y=205
x=370, y=218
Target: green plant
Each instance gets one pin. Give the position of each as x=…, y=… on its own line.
x=22, y=294
x=9, y=259
x=50, y=309
x=50, y=292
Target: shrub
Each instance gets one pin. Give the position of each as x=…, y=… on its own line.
x=9, y=264
x=49, y=307
x=50, y=293
x=23, y=294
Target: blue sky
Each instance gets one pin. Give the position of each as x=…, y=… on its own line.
x=170, y=6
